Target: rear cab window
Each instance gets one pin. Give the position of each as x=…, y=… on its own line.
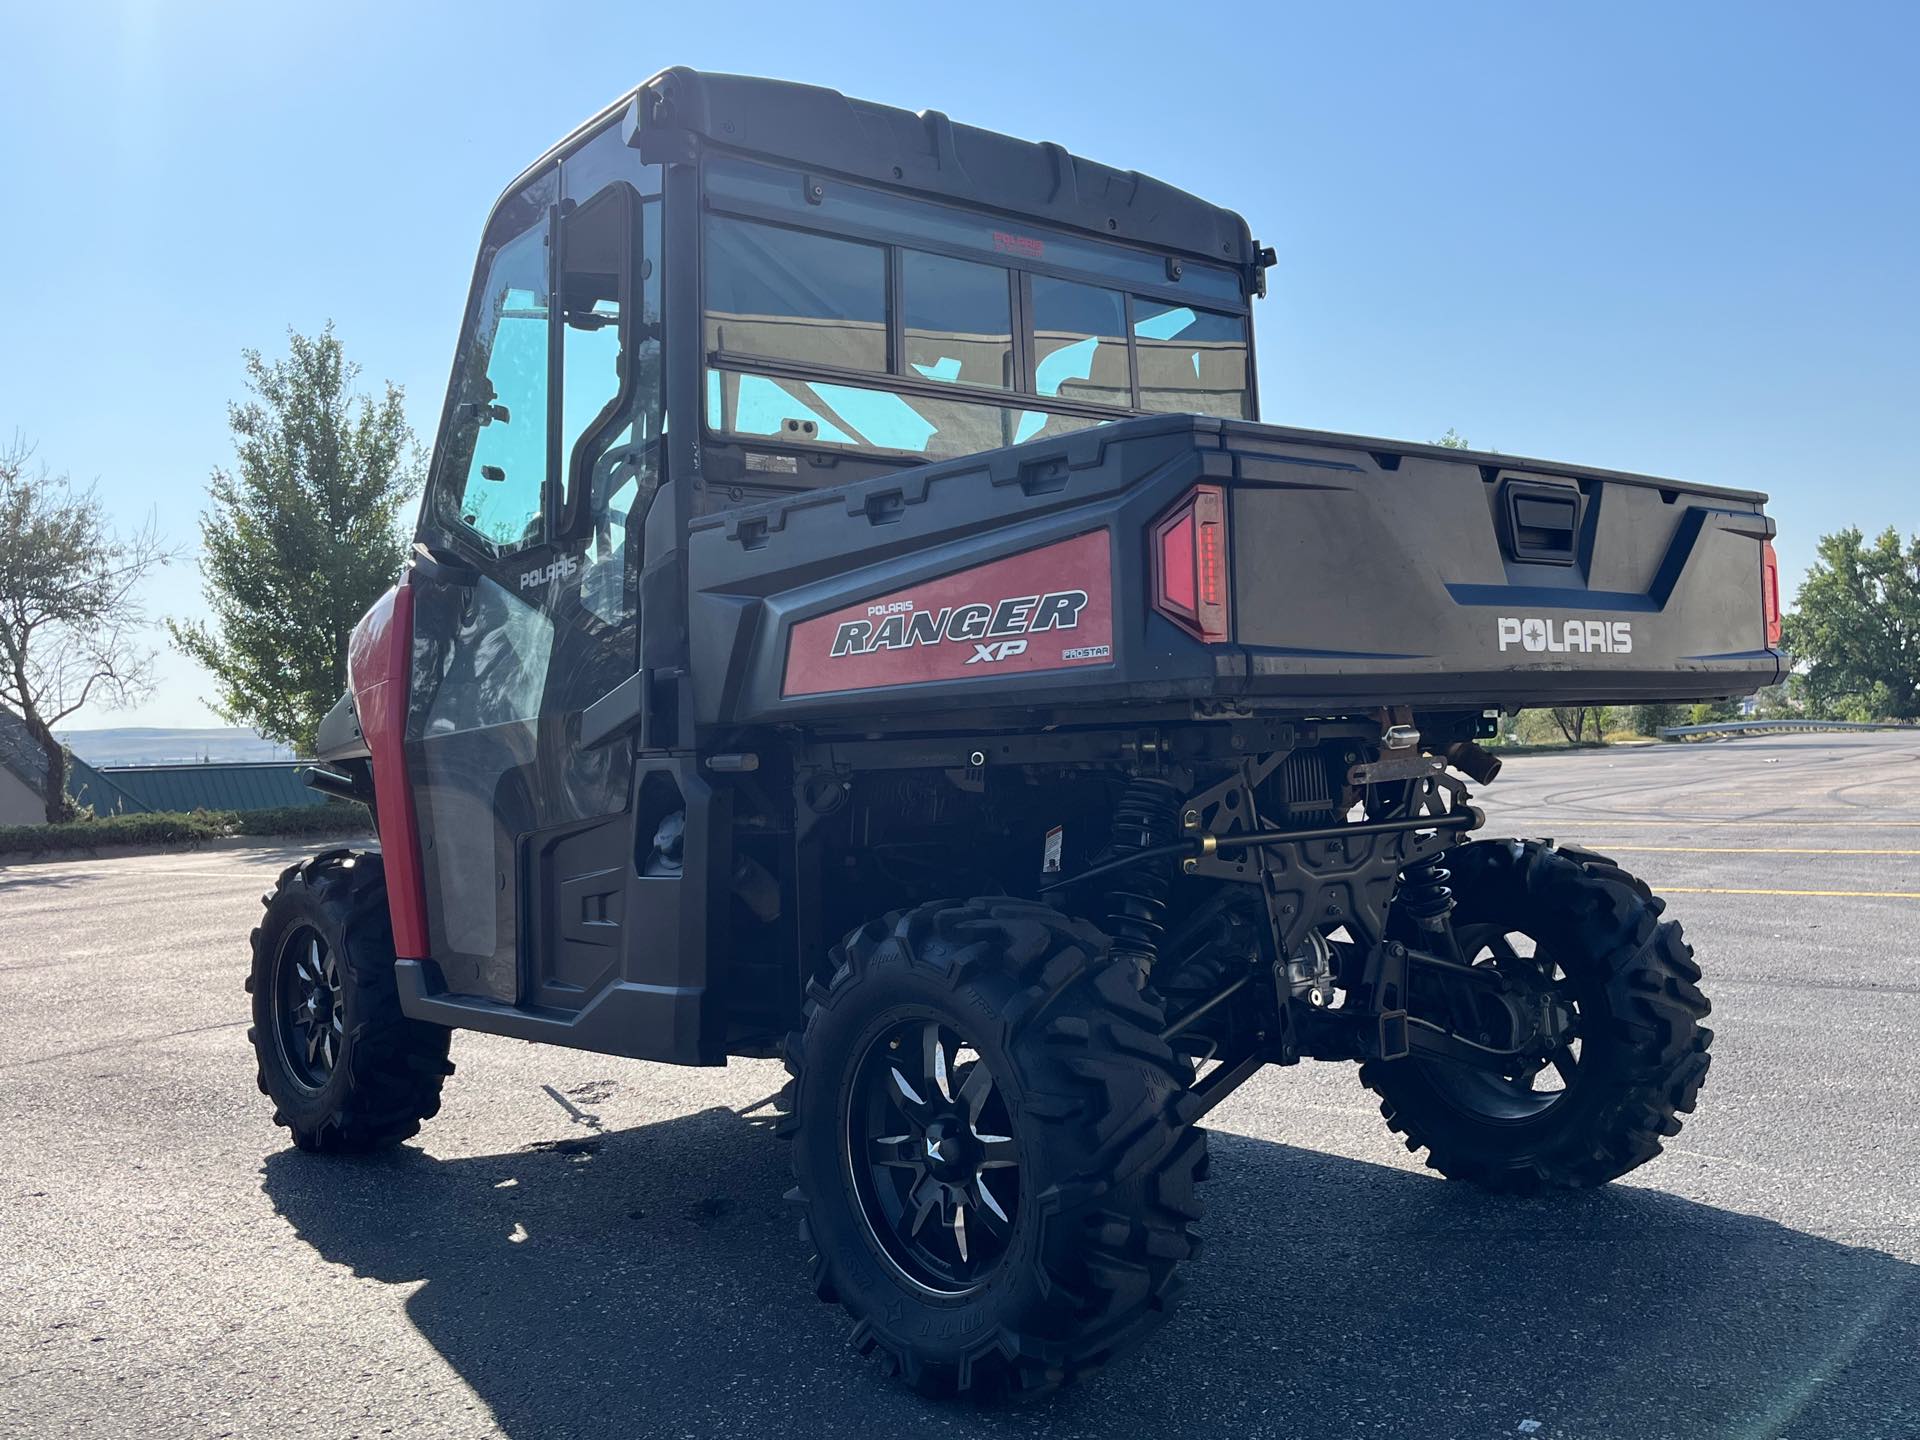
x=842, y=317
x=1191, y=360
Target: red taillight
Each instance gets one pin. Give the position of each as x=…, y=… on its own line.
x=1770, y=593
x=1190, y=564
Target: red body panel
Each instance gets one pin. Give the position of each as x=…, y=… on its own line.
x=1044, y=609
x=379, y=660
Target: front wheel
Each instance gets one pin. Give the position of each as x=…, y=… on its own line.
x=990, y=1158
x=1573, y=929
x=345, y=1069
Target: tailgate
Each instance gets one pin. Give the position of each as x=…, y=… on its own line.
x=1421, y=573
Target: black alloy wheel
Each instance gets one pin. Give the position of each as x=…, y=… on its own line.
x=310, y=1006
x=990, y=1153
x=933, y=1156
x=1536, y=984
x=1600, y=994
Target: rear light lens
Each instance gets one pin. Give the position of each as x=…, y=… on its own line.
x=1770, y=593
x=1190, y=564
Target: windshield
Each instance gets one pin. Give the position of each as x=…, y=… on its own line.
x=843, y=316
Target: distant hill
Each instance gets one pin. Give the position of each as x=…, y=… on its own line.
x=138, y=745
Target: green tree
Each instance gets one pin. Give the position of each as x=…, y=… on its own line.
x=1854, y=635
x=1777, y=702
x=71, y=622
x=1453, y=440
x=1580, y=723
x=302, y=536
x=1575, y=724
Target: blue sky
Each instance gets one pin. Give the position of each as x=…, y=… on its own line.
x=1676, y=238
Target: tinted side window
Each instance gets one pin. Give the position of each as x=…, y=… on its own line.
x=1080, y=342
x=594, y=314
x=1191, y=361
x=614, y=443
x=493, y=478
x=959, y=320
x=789, y=295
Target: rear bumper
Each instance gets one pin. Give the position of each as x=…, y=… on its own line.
x=1313, y=682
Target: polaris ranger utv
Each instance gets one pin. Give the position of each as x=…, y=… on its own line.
x=856, y=617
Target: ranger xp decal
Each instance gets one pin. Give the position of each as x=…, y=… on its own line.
x=1045, y=609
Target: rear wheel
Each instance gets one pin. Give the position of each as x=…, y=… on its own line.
x=992, y=1167
x=1573, y=934
x=343, y=1067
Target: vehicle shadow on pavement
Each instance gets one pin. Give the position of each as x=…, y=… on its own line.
x=650, y=1281
x=12, y=878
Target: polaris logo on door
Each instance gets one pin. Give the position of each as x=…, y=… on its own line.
x=1049, y=608
x=561, y=569
x=1560, y=637
x=898, y=625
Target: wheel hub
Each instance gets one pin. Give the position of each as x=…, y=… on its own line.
x=953, y=1154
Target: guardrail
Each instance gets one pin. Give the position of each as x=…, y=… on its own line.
x=1773, y=727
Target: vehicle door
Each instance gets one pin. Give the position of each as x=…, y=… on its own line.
x=527, y=581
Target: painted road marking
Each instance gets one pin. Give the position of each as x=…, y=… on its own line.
x=1731, y=849
x=1840, y=894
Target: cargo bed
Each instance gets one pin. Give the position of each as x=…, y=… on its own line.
x=1358, y=573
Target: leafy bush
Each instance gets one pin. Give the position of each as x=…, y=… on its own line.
x=1652, y=719
x=1875, y=703
x=167, y=831
x=336, y=817
x=183, y=831
x=1712, y=712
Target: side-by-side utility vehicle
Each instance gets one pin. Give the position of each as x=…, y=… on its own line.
x=856, y=616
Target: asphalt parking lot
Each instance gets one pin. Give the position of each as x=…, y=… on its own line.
x=585, y=1246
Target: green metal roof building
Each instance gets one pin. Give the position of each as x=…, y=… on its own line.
x=214, y=785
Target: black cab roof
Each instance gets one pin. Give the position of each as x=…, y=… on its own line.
x=929, y=153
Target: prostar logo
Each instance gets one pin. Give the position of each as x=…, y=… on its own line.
x=899, y=626
x=1559, y=637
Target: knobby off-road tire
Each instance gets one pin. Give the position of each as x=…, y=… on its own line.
x=1104, y=1205
x=1643, y=1051
x=380, y=1075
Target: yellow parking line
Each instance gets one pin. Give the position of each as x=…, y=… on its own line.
x=1738, y=890
x=1732, y=849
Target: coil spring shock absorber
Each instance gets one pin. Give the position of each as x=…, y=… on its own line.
x=1148, y=814
x=1426, y=893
